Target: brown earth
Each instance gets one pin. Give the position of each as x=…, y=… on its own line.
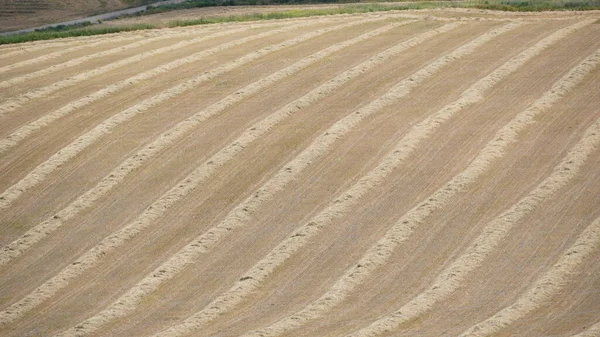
x=420, y=173
x=21, y=14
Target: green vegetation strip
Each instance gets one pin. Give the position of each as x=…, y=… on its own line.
x=300, y=13
x=537, y=5
x=504, y=5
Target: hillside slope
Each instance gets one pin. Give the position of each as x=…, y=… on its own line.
x=415, y=173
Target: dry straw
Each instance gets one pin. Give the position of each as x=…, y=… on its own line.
x=452, y=277
x=17, y=102
x=39, y=173
x=47, y=57
x=20, y=50
x=241, y=214
x=375, y=257
x=27, y=130
x=165, y=139
x=556, y=278
x=174, y=195
x=253, y=278
x=76, y=61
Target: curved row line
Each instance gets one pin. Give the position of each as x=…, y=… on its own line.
x=341, y=205
x=451, y=278
x=236, y=218
x=403, y=149
x=345, y=285
x=39, y=173
x=25, y=131
x=112, y=51
x=288, y=247
x=16, y=102
x=19, y=49
x=49, y=44
x=553, y=281
x=59, y=53
x=117, y=175
x=141, y=56
x=164, y=140
x=178, y=192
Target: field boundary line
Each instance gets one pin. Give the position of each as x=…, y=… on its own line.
x=355, y=275
x=68, y=152
x=165, y=139
x=58, y=53
x=554, y=279
x=129, y=301
x=450, y=279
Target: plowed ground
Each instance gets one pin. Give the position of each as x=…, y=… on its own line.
x=419, y=173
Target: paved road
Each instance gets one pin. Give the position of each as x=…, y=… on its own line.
x=96, y=18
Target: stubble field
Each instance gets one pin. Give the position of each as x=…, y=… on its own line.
x=418, y=173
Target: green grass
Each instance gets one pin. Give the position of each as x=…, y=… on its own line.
x=62, y=32
x=504, y=5
x=538, y=5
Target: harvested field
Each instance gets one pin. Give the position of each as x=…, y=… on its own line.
x=417, y=173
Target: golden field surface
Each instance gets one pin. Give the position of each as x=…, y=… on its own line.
x=415, y=173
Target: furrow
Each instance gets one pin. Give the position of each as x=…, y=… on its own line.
x=127, y=61
x=80, y=60
x=372, y=179
x=167, y=138
x=554, y=280
x=592, y=331
x=70, y=151
x=181, y=189
x=345, y=285
x=450, y=279
x=322, y=144
x=241, y=214
x=64, y=51
x=15, y=103
x=28, y=129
